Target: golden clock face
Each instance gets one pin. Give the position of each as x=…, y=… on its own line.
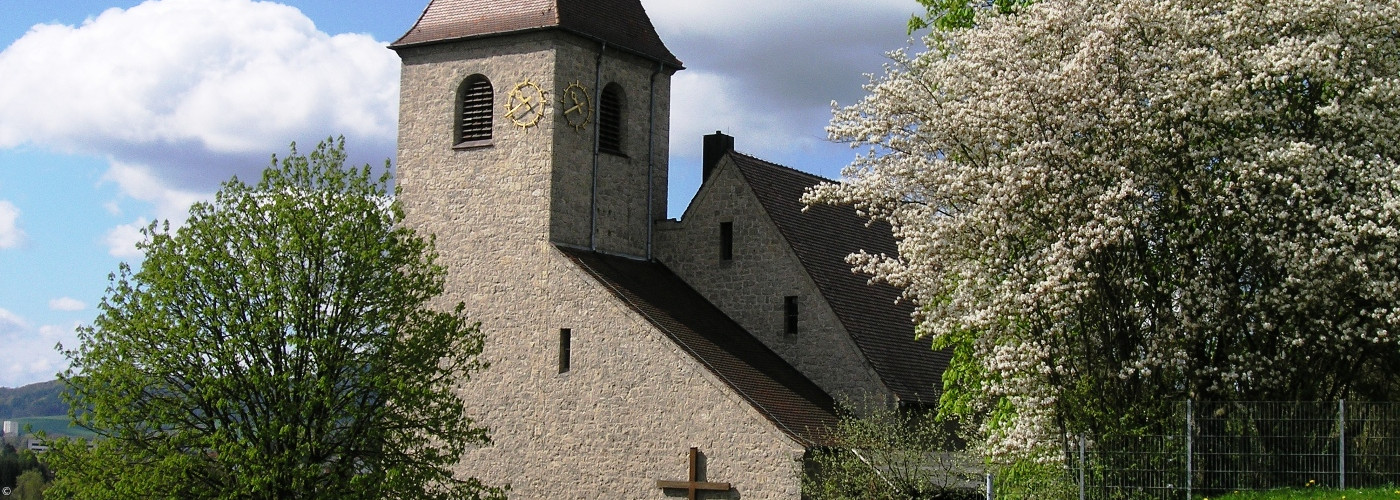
x=577, y=106
x=525, y=104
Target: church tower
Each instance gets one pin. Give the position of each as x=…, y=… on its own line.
x=533, y=145
x=525, y=122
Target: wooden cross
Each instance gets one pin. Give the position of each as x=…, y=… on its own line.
x=694, y=484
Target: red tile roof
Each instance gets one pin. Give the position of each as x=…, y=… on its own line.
x=822, y=237
x=777, y=390
x=622, y=24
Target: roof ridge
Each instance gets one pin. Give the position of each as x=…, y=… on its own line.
x=784, y=167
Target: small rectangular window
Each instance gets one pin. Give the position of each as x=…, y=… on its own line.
x=790, y=315
x=565, y=339
x=726, y=241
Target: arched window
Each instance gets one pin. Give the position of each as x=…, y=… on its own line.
x=610, y=109
x=474, y=111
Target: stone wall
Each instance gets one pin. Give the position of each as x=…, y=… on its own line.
x=750, y=288
x=633, y=403
x=623, y=416
x=623, y=221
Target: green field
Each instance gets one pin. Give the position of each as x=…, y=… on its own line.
x=55, y=426
x=1392, y=493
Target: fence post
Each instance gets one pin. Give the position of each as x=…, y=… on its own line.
x=990, y=496
x=1341, y=444
x=1188, y=448
x=1081, y=467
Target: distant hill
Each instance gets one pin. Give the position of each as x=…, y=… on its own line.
x=33, y=400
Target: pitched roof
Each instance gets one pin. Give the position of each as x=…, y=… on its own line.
x=620, y=23
x=777, y=390
x=822, y=237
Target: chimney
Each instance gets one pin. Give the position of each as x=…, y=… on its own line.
x=716, y=146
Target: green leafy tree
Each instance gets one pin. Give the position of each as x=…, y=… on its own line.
x=30, y=486
x=283, y=344
x=958, y=14
x=891, y=454
x=15, y=463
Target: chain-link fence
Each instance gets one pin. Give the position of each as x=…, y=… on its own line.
x=1220, y=447
x=1216, y=447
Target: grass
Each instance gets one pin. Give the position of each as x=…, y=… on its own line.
x=55, y=426
x=1392, y=493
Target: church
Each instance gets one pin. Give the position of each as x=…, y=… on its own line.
x=632, y=356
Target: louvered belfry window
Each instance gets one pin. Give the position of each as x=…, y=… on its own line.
x=474, y=118
x=610, y=119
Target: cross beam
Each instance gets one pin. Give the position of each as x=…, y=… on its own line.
x=694, y=485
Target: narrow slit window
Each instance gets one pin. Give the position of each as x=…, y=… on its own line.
x=565, y=341
x=474, y=114
x=790, y=315
x=726, y=241
x=610, y=108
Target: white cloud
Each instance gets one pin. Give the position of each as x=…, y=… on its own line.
x=741, y=18
x=136, y=181
x=705, y=102
x=11, y=323
x=121, y=240
x=197, y=89
x=67, y=304
x=10, y=234
x=66, y=333
x=24, y=370
x=28, y=356
x=767, y=72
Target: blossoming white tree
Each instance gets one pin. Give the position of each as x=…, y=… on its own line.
x=1104, y=205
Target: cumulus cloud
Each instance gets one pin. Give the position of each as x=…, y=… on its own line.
x=769, y=71
x=197, y=90
x=61, y=332
x=30, y=356
x=121, y=240
x=10, y=234
x=67, y=304
x=138, y=182
x=11, y=323
x=25, y=370
x=169, y=203
x=704, y=102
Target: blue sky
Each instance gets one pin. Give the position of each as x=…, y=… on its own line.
x=115, y=113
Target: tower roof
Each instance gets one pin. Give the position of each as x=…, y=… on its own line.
x=620, y=23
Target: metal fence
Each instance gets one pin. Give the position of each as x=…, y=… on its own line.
x=1220, y=447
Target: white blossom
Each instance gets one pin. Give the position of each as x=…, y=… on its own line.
x=1168, y=198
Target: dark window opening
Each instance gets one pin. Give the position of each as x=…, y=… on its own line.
x=610, y=119
x=565, y=339
x=790, y=315
x=726, y=241
x=474, y=116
